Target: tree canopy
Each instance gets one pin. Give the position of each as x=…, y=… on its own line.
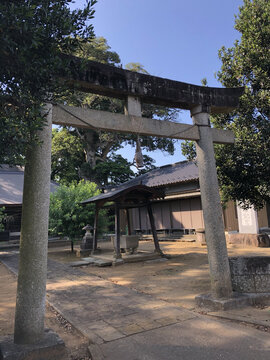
x=244, y=168
x=68, y=216
x=67, y=156
x=33, y=34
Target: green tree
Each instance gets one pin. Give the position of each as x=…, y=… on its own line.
x=98, y=50
x=67, y=156
x=244, y=168
x=68, y=216
x=33, y=35
x=137, y=67
x=114, y=170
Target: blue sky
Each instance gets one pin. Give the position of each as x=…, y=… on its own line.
x=174, y=39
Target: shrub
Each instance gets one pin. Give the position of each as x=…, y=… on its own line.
x=68, y=216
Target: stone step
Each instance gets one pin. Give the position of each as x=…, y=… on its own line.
x=183, y=238
x=91, y=261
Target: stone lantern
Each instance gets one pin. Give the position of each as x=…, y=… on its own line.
x=87, y=242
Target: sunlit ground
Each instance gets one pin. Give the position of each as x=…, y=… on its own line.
x=177, y=280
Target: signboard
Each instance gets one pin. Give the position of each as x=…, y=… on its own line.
x=248, y=221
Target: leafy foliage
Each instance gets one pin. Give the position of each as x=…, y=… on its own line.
x=244, y=168
x=68, y=216
x=114, y=170
x=33, y=34
x=67, y=156
x=97, y=49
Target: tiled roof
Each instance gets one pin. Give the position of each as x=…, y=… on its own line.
x=11, y=185
x=123, y=190
x=169, y=174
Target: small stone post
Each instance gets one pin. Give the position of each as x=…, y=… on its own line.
x=95, y=232
x=31, y=288
x=212, y=212
x=117, y=233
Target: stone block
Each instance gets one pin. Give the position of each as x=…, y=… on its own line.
x=242, y=265
x=262, y=283
x=103, y=262
x=243, y=283
x=206, y=301
x=250, y=274
x=184, y=315
x=50, y=347
x=128, y=241
x=117, y=262
x=131, y=329
x=89, y=259
x=96, y=352
x=109, y=333
x=200, y=235
x=166, y=321
x=79, y=263
x=257, y=240
x=148, y=324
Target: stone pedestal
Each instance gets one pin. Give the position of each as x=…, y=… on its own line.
x=50, y=347
x=83, y=253
x=200, y=234
x=87, y=243
x=129, y=243
x=258, y=240
x=237, y=300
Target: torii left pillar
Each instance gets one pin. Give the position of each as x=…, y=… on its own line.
x=31, y=288
x=31, y=340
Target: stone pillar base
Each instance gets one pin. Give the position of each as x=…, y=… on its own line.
x=50, y=347
x=83, y=253
x=117, y=261
x=200, y=233
x=258, y=240
x=208, y=303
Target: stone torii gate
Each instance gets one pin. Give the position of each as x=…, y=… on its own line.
x=135, y=88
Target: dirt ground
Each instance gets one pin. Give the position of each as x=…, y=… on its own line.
x=76, y=344
x=177, y=280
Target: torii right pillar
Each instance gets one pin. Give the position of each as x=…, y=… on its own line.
x=221, y=285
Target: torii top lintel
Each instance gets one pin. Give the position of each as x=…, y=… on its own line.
x=91, y=76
